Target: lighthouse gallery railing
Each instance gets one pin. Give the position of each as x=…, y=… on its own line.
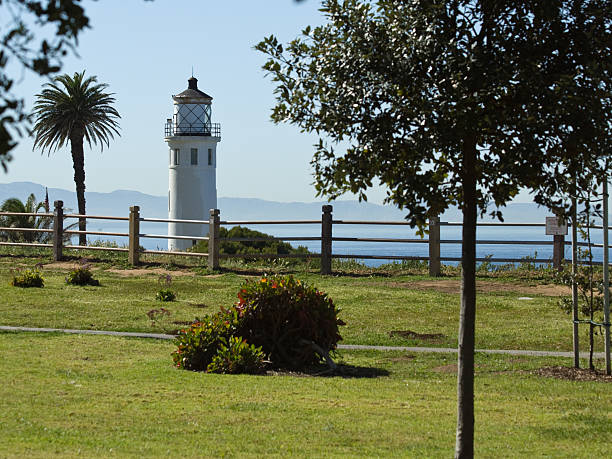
x=172, y=129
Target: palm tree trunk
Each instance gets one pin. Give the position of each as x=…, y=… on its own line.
x=78, y=162
x=464, y=446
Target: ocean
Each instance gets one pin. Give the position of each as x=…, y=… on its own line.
x=453, y=250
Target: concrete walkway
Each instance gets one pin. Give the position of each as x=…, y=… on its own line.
x=444, y=350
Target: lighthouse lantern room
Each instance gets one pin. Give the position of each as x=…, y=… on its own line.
x=192, y=140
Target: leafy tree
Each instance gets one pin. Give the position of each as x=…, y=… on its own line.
x=19, y=43
x=460, y=102
x=69, y=110
x=31, y=206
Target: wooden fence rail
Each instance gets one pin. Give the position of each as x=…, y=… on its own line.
x=327, y=239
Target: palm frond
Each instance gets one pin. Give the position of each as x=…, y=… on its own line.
x=74, y=106
x=24, y=221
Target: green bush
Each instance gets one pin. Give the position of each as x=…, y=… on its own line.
x=26, y=278
x=165, y=293
x=81, y=276
x=237, y=357
x=270, y=246
x=292, y=322
x=198, y=344
x=279, y=318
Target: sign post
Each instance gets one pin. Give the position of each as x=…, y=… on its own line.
x=558, y=229
x=574, y=284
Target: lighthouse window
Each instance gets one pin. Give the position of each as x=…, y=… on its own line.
x=210, y=156
x=177, y=154
x=194, y=156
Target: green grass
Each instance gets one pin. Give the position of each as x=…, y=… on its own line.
x=92, y=396
x=99, y=396
x=372, y=306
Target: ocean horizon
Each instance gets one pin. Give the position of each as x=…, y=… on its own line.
x=451, y=250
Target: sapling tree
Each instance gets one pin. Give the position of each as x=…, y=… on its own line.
x=458, y=102
x=588, y=279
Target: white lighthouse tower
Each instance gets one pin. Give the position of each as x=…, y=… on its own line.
x=192, y=139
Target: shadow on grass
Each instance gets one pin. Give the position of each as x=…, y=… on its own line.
x=342, y=371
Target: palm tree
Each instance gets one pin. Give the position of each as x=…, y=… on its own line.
x=24, y=221
x=71, y=109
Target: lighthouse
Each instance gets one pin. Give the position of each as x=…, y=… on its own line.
x=192, y=140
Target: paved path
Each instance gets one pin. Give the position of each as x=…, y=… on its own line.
x=445, y=350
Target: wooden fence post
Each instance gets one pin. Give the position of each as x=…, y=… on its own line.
x=558, y=252
x=434, y=246
x=213, y=239
x=134, y=236
x=326, y=239
x=58, y=230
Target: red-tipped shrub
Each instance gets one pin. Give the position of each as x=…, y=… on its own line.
x=291, y=321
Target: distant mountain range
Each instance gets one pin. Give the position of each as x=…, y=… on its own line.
x=117, y=203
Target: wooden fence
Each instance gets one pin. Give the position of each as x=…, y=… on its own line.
x=326, y=253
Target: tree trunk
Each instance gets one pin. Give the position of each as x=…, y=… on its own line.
x=78, y=162
x=464, y=446
x=591, y=344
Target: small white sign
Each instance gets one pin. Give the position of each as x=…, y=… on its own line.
x=555, y=227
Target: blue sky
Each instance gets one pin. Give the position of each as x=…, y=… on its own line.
x=145, y=52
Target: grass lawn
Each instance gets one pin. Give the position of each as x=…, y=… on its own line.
x=377, y=309
x=93, y=396
x=99, y=396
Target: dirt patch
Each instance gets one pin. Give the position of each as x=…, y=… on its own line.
x=573, y=374
x=483, y=286
x=409, y=334
x=69, y=265
x=451, y=368
x=152, y=271
x=403, y=358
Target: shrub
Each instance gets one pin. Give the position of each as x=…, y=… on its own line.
x=271, y=245
x=198, y=344
x=26, y=278
x=296, y=325
x=81, y=276
x=237, y=357
x=165, y=293
x=278, y=318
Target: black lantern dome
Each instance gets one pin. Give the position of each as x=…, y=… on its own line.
x=192, y=113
